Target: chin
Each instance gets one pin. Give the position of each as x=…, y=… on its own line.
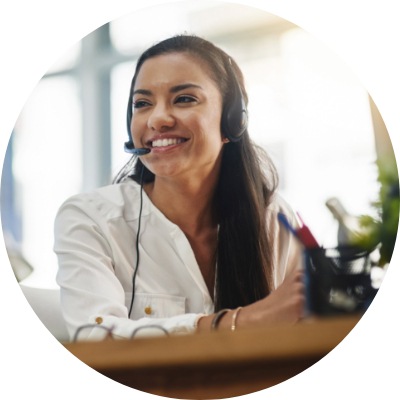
x=166, y=171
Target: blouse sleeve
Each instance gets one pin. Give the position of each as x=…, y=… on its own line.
x=92, y=297
x=288, y=252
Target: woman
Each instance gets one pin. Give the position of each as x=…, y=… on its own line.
x=187, y=238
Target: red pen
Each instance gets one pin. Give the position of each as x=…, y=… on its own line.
x=305, y=236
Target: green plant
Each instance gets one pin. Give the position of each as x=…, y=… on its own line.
x=382, y=230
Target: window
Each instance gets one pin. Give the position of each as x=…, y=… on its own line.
x=46, y=164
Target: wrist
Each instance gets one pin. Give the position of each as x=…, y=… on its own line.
x=232, y=320
x=227, y=320
x=218, y=316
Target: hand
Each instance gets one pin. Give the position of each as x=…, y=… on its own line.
x=284, y=304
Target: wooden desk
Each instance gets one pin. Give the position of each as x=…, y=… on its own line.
x=215, y=364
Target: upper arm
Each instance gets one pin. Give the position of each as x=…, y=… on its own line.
x=288, y=252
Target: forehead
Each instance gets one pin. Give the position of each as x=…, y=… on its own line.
x=173, y=68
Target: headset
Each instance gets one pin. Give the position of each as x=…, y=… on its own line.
x=234, y=119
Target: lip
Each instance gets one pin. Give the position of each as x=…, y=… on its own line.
x=150, y=141
x=159, y=150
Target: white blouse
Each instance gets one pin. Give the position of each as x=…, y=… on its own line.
x=95, y=242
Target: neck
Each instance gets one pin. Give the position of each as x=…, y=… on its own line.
x=188, y=204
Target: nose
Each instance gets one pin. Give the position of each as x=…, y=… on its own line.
x=161, y=118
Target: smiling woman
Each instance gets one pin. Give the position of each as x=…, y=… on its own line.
x=202, y=211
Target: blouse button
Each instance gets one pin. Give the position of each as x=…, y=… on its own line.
x=99, y=320
x=148, y=310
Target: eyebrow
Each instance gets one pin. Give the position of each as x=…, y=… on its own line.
x=173, y=89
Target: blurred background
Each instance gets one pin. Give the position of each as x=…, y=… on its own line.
x=306, y=108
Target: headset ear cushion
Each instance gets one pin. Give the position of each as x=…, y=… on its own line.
x=234, y=119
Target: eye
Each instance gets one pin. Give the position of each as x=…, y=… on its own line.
x=140, y=104
x=185, y=99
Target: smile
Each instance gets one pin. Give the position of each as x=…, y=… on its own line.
x=167, y=142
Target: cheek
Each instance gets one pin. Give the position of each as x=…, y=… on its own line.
x=136, y=130
x=205, y=126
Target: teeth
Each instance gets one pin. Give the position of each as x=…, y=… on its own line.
x=166, y=142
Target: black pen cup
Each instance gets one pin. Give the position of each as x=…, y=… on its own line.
x=338, y=280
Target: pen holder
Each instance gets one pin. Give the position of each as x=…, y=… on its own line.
x=338, y=280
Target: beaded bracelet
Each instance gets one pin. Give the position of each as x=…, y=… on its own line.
x=217, y=318
x=234, y=318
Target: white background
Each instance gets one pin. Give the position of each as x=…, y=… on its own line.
x=34, y=34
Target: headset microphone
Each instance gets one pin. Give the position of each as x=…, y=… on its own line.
x=137, y=152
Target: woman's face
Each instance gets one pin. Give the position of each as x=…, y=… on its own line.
x=177, y=114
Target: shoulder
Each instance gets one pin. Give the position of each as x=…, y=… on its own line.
x=279, y=205
x=107, y=202
x=287, y=250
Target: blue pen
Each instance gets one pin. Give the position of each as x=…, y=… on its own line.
x=282, y=218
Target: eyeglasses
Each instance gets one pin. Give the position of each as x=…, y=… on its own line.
x=109, y=334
